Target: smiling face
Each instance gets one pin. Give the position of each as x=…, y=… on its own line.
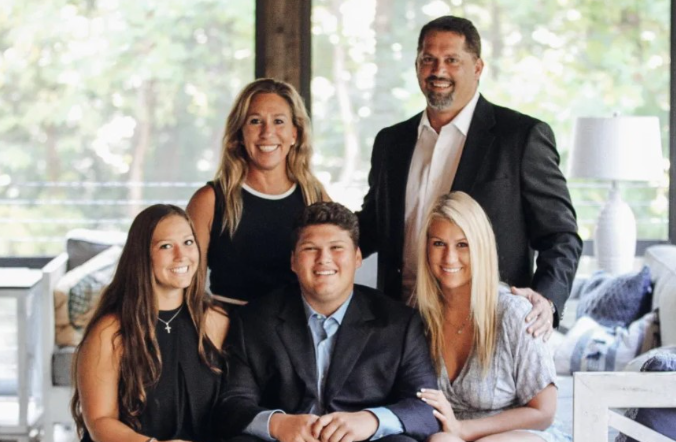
x=174, y=255
x=449, y=258
x=448, y=74
x=325, y=260
x=268, y=132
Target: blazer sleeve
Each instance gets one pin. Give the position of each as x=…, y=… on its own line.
x=415, y=372
x=550, y=217
x=238, y=403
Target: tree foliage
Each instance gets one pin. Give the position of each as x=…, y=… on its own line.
x=125, y=93
x=111, y=91
x=554, y=60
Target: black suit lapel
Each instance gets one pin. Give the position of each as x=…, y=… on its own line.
x=400, y=165
x=351, y=339
x=294, y=334
x=479, y=140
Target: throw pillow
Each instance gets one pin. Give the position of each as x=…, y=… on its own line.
x=84, y=244
x=662, y=262
x=662, y=420
x=639, y=361
x=589, y=346
x=77, y=293
x=616, y=301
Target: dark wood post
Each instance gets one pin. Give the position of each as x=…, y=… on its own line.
x=283, y=44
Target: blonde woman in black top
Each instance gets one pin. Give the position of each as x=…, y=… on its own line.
x=263, y=181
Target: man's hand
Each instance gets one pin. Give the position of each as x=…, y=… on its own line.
x=293, y=427
x=345, y=427
x=541, y=315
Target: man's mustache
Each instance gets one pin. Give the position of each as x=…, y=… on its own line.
x=435, y=78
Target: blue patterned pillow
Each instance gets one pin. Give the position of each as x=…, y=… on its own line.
x=616, y=301
x=662, y=420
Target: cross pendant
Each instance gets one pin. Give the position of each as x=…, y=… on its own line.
x=167, y=328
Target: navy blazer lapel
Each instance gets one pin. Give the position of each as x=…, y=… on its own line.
x=479, y=139
x=294, y=334
x=351, y=339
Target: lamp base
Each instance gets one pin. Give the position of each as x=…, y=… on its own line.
x=615, y=235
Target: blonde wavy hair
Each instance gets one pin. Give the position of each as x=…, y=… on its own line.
x=234, y=165
x=461, y=210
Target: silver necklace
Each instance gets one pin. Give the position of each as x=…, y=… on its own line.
x=166, y=323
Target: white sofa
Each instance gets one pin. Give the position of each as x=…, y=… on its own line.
x=81, y=246
x=56, y=391
x=585, y=399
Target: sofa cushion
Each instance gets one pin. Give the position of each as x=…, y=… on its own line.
x=616, y=300
x=62, y=363
x=589, y=346
x=84, y=244
x=662, y=420
x=77, y=293
x=639, y=361
x=662, y=262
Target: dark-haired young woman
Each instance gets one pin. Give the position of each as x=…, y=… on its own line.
x=149, y=365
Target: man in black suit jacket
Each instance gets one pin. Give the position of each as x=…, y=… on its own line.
x=505, y=160
x=328, y=359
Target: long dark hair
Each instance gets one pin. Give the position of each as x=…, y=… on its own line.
x=130, y=299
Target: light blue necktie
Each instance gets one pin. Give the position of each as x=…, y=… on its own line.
x=323, y=331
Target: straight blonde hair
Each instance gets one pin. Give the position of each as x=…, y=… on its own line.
x=234, y=165
x=460, y=209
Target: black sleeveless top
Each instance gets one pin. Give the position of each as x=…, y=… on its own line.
x=256, y=260
x=180, y=405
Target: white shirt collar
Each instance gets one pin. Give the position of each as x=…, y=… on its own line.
x=461, y=121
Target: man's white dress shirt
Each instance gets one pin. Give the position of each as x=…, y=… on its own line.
x=433, y=167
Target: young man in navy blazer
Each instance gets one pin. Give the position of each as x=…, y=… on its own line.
x=326, y=360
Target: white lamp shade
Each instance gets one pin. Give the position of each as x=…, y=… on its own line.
x=617, y=148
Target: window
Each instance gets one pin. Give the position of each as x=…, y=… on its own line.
x=555, y=61
x=109, y=106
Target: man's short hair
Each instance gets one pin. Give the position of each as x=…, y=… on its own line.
x=458, y=25
x=327, y=213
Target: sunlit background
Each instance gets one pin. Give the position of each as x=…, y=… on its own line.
x=109, y=106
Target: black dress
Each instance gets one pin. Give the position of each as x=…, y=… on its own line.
x=180, y=405
x=256, y=260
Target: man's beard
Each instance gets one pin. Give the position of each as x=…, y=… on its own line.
x=440, y=100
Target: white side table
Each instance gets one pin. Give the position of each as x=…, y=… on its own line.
x=19, y=415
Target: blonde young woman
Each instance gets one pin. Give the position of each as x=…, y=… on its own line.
x=496, y=382
x=150, y=363
x=244, y=217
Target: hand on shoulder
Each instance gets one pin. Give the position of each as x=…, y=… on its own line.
x=540, y=318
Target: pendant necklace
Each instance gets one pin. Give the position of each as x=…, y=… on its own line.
x=464, y=324
x=166, y=323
